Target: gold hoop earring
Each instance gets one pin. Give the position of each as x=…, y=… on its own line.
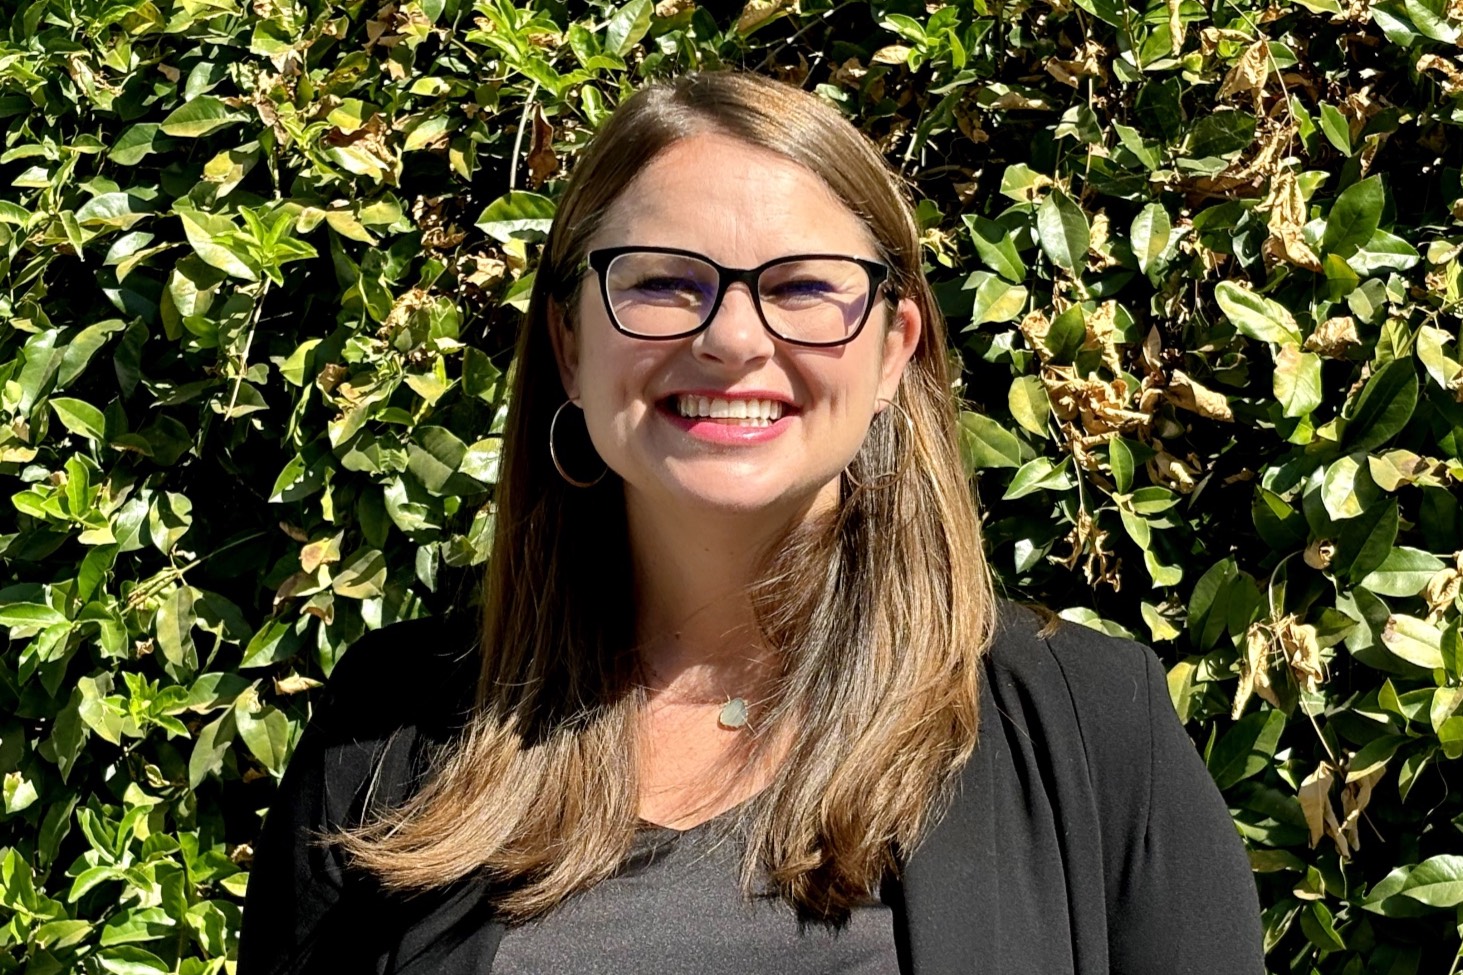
x=885, y=478
x=554, y=454
x=903, y=415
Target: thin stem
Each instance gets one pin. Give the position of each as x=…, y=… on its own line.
x=248, y=342
x=1270, y=588
x=518, y=139
x=157, y=582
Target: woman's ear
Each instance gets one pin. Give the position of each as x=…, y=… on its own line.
x=901, y=339
x=566, y=349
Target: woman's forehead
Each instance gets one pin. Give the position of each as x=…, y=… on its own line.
x=715, y=187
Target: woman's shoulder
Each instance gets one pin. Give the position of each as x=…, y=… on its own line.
x=411, y=675
x=1113, y=687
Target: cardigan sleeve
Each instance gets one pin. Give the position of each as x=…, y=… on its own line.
x=300, y=914
x=1185, y=900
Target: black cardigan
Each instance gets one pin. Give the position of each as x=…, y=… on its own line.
x=1086, y=838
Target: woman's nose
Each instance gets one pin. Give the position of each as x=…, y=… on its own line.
x=736, y=334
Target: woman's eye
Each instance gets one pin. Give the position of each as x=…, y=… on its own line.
x=667, y=285
x=807, y=288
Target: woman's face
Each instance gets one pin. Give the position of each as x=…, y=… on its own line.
x=644, y=401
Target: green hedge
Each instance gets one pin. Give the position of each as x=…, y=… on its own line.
x=262, y=264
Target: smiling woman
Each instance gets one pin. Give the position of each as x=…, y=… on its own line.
x=742, y=698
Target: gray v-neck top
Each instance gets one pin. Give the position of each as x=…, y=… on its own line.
x=676, y=906
x=1085, y=837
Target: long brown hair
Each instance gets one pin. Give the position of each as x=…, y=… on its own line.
x=879, y=613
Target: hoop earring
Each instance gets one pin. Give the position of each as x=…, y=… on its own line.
x=554, y=454
x=884, y=478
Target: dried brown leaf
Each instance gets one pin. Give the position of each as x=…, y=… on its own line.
x=1333, y=337
x=1302, y=652
x=1187, y=394
x=543, y=162
x=1287, y=221
x=322, y=551
x=1452, y=77
x=1173, y=473
x=1249, y=72
x=758, y=12
x=1318, y=554
x=1102, y=335
x=1315, y=801
x=1355, y=797
x=294, y=684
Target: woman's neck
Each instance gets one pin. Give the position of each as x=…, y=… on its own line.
x=695, y=626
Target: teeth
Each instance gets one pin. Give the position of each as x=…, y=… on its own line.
x=759, y=412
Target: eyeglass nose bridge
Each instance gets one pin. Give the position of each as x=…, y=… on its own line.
x=725, y=278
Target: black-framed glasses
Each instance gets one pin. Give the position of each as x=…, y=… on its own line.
x=806, y=299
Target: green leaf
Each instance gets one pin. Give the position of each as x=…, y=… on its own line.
x=993, y=244
x=131, y=960
x=1029, y=403
x=363, y=575
x=1404, y=572
x=1354, y=217
x=1450, y=646
x=995, y=300
x=1374, y=755
x=82, y=347
x=205, y=231
x=1120, y=459
x=1247, y=748
x=518, y=214
x=1208, y=603
x=210, y=747
x=1384, y=407
x=1256, y=316
x=199, y=117
x=267, y=734
x=114, y=211
x=168, y=519
x=1220, y=133
x=1150, y=234
x=174, y=627
x=1347, y=488
x=1112, y=12
x=1383, y=252
x=137, y=924
x=627, y=26
x=276, y=640
x=1279, y=525
x=1320, y=928
x=1364, y=542
x=29, y=615
x=80, y=417
x=1336, y=129
x=1297, y=380
x=1433, y=20
x=986, y=443
x=1437, y=881
x=1039, y=475
x=1062, y=229
x=1414, y=641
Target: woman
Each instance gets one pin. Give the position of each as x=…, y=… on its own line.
x=741, y=699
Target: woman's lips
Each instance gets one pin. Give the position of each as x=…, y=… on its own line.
x=725, y=430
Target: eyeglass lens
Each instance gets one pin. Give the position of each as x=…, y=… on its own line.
x=662, y=295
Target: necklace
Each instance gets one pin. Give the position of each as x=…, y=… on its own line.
x=733, y=713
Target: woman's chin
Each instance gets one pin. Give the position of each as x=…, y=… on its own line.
x=742, y=497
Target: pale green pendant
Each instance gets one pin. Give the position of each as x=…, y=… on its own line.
x=733, y=713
